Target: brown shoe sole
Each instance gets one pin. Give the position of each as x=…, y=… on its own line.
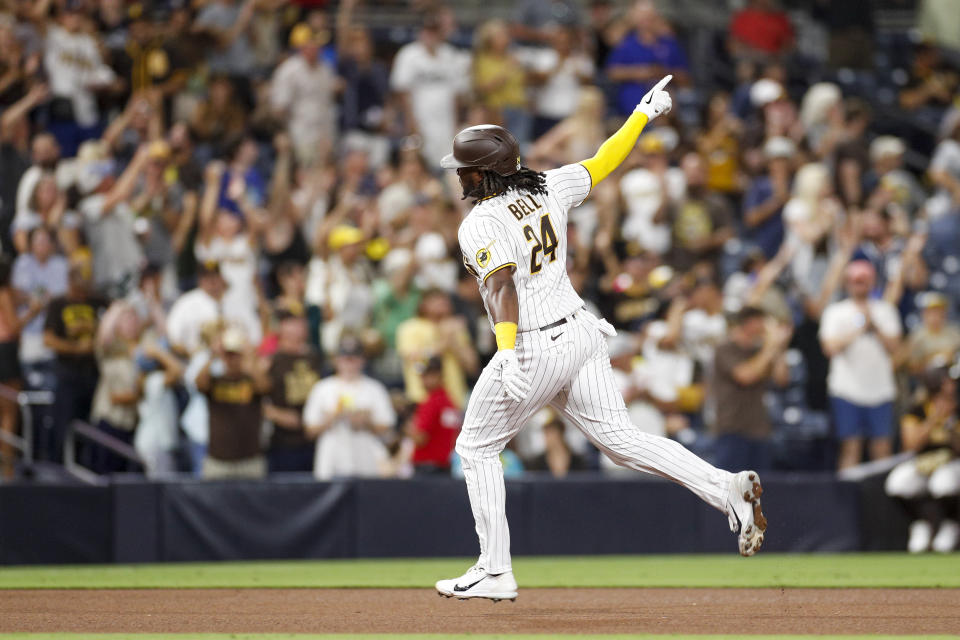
x=759, y=520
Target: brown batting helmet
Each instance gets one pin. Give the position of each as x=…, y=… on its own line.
x=485, y=146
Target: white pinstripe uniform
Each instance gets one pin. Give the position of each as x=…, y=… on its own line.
x=567, y=364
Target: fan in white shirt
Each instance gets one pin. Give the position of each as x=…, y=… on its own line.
x=341, y=285
x=229, y=240
x=648, y=190
x=197, y=309
x=302, y=92
x=430, y=74
x=944, y=172
x=349, y=413
x=859, y=335
x=74, y=66
x=45, y=153
x=562, y=71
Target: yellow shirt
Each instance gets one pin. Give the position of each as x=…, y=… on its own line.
x=722, y=166
x=510, y=93
x=416, y=343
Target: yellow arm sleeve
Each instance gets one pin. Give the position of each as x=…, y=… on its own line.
x=616, y=149
x=506, y=333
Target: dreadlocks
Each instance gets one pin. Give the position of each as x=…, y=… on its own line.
x=493, y=184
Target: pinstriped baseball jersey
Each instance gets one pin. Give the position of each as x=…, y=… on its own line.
x=567, y=365
x=528, y=232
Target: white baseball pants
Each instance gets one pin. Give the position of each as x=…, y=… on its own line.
x=906, y=481
x=569, y=369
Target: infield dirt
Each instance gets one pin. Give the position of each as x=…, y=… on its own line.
x=568, y=611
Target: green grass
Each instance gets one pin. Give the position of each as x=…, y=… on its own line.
x=411, y=636
x=766, y=570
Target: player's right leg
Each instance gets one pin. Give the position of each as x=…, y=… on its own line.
x=594, y=404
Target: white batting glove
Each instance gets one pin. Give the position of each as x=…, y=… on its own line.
x=515, y=383
x=656, y=101
x=606, y=328
x=601, y=324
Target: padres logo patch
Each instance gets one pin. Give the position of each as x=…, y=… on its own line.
x=483, y=257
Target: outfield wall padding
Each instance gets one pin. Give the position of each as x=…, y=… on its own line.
x=135, y=520
x=53, y=524
x=257, y=520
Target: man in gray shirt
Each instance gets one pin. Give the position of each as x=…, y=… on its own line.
x=227, y=22
x=39, y=274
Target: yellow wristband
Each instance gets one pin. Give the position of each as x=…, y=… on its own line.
x=506, y=335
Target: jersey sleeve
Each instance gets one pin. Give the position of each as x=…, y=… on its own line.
x=570, y=184
x=486, y=247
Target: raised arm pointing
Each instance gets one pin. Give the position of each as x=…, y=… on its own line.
x=618, y=146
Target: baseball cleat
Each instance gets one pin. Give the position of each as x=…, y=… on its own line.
x=947, y=537
x=743, y=510
x=477, y=583
x=921, y=534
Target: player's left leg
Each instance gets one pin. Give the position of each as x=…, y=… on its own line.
x=593, y=403
x=491, y=421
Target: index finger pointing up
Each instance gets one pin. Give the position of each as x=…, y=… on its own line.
x=663, y=82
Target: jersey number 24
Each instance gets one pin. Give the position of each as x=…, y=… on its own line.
x=546, y=244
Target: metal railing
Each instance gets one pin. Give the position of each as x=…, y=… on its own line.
x=26, y=400
x=23, y=443
x=81, y=430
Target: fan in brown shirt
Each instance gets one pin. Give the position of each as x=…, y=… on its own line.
x=742, y=369
x=295, y=368
x=234, y=384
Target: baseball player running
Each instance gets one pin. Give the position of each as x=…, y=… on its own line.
x=550, y=350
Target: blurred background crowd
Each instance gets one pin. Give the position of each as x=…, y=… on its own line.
x=226, y=240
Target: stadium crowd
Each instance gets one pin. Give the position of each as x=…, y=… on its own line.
x=226, y=239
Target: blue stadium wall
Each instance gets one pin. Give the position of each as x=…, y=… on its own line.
x=141, y=521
